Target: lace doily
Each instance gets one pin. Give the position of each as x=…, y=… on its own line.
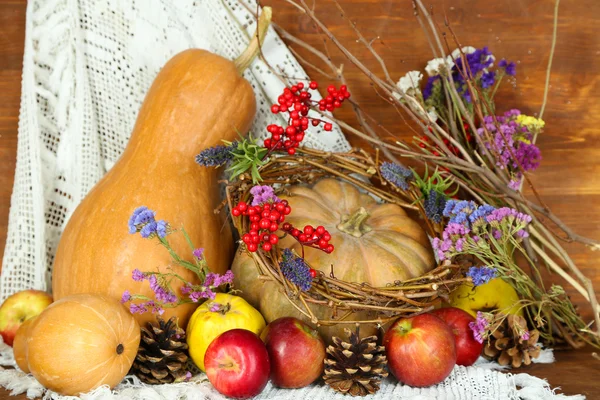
x=86, y=68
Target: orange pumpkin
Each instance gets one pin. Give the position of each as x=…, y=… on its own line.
x=82, y=342
x=374, y=243
x=20, y=344
x=197, y=100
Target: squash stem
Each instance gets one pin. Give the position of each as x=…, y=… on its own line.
x=245, y=59
x=354, y=224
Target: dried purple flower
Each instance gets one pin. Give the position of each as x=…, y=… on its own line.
x=396, y=174
x=126, y=297
x=161, y=293
x=138, y=275
x=198, y=253
x=295, y=269
x=509, y=67
x=480, y=326
x=434, y=206
x=263, y=194
x=216, y=156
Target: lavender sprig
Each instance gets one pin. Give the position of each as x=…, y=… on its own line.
x=295, y=269
x=216, y=156
x=396, y=174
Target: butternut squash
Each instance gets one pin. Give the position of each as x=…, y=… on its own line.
x=197, y=100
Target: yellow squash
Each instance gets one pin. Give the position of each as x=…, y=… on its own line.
x=206, y=325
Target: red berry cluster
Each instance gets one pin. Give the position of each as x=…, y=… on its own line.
x=296, y=101
x=317, y=238
x=264, y=221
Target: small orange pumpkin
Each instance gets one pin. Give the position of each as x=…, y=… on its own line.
x=81, y=342
x=20, y=344
x=374, y=243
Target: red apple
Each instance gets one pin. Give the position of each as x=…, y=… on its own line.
x=420, y=350
x=468, y=349
x=19, y=307
x=296, y=352
x=237, y=364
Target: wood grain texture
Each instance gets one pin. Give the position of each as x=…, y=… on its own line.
x=519, y=30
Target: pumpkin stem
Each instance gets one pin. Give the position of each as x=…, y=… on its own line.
x=245, y=59
x=354, y=224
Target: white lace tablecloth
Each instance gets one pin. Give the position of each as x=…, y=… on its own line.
x=86, y=69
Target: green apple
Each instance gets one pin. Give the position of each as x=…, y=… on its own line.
x=18, y=308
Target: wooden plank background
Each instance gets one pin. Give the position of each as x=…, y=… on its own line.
x=519, y=30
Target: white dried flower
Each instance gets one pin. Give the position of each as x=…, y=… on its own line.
x=433, y=66
x=410, y=82
x=466, y=50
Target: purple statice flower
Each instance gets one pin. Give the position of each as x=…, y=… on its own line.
x=198, y=253
x=137, y=275
x=126, y=297
x=453, y=239
x=216, y=156
x=515, y=183
x=508, y=215
x=428, y=90
x=216, y=280
x=509, y=67
x=161, y=293
x=295, y=269
x=522, y=233
x=145, y=307
x=185, y=289
x=528, y=156
x=480, y=326
x=396, y=174
x=477, y=61
x=480, y=213
x=204, y=293
x=137, y=308
x=434, y=205
x=263, y=194
x=488, y=79
x=481, y=275
x=525, y=335
x=188, y=376
x=214, y=307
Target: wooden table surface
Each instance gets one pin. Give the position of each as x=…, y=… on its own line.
x=518, y=30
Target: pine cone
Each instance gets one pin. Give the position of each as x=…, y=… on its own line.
x=355, y=367
x=163, y=353
x=510, y=342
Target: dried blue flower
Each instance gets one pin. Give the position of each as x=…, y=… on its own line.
x=216, y=156
x=295, y=269
x=481, y=275
x=142, y=220
x=396, y=174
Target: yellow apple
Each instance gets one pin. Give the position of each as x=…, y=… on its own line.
x=18, y=308
x=494, y=295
